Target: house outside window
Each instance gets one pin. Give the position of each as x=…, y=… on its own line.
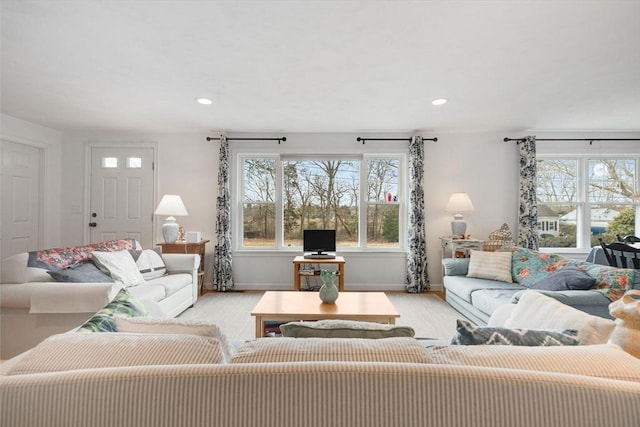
x=362, y=197
x=583, y=197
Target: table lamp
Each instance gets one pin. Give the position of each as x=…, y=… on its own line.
x=459, y=202
x=171, y=205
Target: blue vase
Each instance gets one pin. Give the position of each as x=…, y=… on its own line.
x=328, y=290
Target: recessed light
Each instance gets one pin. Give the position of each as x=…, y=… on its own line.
x=204, y=101
x=439, y=101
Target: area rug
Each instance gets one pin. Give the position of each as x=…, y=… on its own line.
x=426, y=313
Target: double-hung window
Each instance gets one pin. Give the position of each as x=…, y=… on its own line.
x=584, y=197
x=362, y=197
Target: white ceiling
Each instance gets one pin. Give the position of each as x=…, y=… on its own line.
x=322, y=66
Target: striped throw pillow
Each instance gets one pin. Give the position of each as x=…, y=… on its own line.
x=490, y=265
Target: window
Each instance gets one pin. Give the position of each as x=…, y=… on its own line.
x=109, y=162
x=582, y=198
x=284, y=195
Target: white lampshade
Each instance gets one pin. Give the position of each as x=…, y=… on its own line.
x=458, y=203
x=171, y=205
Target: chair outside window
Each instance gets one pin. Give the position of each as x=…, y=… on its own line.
x=628, y=239
x=621, y=255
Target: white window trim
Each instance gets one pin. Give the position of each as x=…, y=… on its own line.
x=237, y=192
x=583, y=153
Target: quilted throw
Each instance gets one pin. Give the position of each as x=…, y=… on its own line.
x=60, y=258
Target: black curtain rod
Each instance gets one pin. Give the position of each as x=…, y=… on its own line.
x=507, y=139
x=283, y=139
x=393, y=139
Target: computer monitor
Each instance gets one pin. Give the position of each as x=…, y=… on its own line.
x=319, y=241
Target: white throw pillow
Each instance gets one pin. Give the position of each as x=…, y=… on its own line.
x=537, y=311
x=150, y=325
x=149, y=262
x=490, y=265
x=120, y=266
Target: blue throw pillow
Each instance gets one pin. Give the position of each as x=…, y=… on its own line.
x=83, y=273
x=469, y=334
x=567, y=278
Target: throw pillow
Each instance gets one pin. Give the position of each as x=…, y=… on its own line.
x=124, y=304
x=604, y=361
x=120, y=266
x=537, y=311
x=468, y=334
x=150, y=325
x=337, y=328
x=490, y=265
x=567, y=278
x=149, y=262
x=529, y=267
x=455, y=266
x=286, y=350
x=83, y=273
x=612, y=282
x=65, y=352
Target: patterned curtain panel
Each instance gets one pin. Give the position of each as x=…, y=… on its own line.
x=528, y=213
x=417, y=276
x=222, y=270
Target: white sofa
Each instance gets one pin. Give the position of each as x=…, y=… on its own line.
x=33, y=306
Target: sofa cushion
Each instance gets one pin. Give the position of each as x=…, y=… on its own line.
x=338, y=328
x=172, y=283
x=537, y=311
x=285, y=350
x=529, y=267
x=605, y=360
x=464, y=286
x=589, y=301
x=149, y=262
x=124, y=304
x=120, y=266
x=66, y=352
x=83, y=273
x=468, y=334
x=490, y=265
x=150, y=325
x=568, y=277
x=15, y=270
x=148, y=292
x=488, y=300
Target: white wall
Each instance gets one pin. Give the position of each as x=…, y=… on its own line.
x=49, y=141
x=480, y=164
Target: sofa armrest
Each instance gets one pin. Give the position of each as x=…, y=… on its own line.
x=455, y=266
x=181, y=263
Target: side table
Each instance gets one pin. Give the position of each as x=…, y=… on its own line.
x=189, y=248
x=460, y=246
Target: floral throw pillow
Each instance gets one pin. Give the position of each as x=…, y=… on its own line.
x=528, y=266
x=123, y=305
x=612, y=282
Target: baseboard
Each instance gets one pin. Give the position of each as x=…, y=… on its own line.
x=356, y=287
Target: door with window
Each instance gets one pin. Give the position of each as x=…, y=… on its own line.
x=21, y=198
x=121, y=194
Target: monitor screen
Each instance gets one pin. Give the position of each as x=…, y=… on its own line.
x=319, y=241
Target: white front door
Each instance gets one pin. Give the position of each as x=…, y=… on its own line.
x=21, y=198
x=121, y=194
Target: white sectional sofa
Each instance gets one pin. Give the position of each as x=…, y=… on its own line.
x=34, y=306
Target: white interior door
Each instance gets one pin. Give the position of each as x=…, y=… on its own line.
x=21, y=198
x=121, y=194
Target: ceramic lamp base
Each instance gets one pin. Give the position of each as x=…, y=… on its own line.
x=170, y=230
x=458, y=228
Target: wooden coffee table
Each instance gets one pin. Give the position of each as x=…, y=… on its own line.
x=288, y=306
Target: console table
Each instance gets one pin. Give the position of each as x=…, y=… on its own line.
x=189, y=248
x=459, y=245
x=299, y=260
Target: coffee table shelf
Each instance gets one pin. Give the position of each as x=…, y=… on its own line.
x=289, y=306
